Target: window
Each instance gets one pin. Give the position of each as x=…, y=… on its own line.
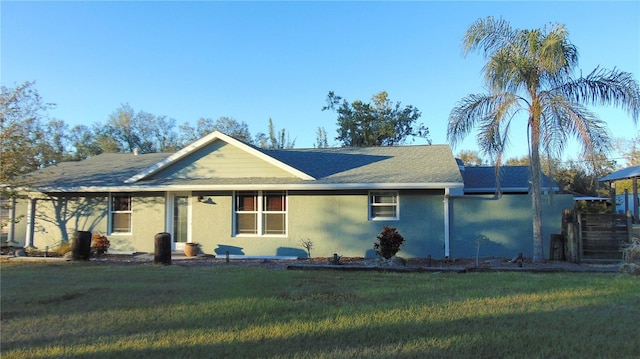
x=247, y=213
x=383, y=206
x=260, y=213
x=120, y=213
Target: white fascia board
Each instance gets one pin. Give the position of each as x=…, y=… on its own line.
x=490, y=190
x=216, y=135
x=237, y=187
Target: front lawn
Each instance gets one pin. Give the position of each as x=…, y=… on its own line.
x=89, y=310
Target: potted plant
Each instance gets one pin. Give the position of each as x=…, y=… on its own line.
x=191, y=249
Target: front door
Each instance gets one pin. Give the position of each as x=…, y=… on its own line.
x=179, y=219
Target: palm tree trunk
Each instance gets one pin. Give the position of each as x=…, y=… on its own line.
x=536, y=192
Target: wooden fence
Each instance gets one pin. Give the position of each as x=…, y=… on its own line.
x=594, y=237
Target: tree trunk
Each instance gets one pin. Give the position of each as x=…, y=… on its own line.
x=536, y=193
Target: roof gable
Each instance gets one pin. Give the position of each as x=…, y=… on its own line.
x=220, y=159
x=201, y=156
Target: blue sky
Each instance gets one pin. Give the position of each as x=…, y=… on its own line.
x=258, y=60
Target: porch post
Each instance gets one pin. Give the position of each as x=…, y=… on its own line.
x=634, y=185
x=31, y=219
x=12, y=220
x=446, y=223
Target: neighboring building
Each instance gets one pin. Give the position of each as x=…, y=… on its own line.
x=232, y=197
x=630, y=202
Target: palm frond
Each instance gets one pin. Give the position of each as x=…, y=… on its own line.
x=605, y=87
x=570, y=119
x=494, y=131
x=506, y=72
x=466, y=114
x=488, y=35
x=556, y=53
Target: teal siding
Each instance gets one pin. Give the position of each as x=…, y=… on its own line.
x=147, y=219
x=20, y=227
x=58, y=217
x=335, y=221
x=422, y=223
x=507, y=222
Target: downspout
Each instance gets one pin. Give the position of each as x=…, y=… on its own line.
x=446, y=222
x=31, y=219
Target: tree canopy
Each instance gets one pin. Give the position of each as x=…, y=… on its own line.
x=630, y=149
x=30, y=140
x=379, y=123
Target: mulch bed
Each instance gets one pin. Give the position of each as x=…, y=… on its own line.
x=351, y=263
x=358, y=263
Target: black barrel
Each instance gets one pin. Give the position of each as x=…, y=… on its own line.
x=81, y=246
x=163, y=249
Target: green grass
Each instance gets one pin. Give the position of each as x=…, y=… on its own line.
x=89, y=310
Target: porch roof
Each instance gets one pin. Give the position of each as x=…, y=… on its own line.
x=626, y=173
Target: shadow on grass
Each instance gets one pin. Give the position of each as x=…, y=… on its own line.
x=223, y=312
x=537, y=334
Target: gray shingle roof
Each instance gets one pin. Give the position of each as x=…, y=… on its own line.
x=107, y=169
x=403, y=164
x=410, y=166
x=512, y=179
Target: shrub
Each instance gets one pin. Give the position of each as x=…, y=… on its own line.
x=64, y=247
x=308, y=245
x=477, y=242
x=389, y=242
x=99, y=244
x=32, y=252
x=631, y=256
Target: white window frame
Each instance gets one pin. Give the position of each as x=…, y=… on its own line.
x=169, y=213
x=260, y=212
x=112, y=212
x=372, y=204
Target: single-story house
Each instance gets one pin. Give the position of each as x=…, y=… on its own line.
x=229, y=196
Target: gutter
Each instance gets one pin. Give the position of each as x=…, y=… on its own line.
x=231, y=187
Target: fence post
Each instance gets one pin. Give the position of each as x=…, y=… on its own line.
x=162, y=254
x=629, y=226
x=626, y=202
x=556, y=250
x=81, y=246
x=569, y=234
x=579, y=235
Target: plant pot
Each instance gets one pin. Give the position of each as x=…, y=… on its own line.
x=191, y=249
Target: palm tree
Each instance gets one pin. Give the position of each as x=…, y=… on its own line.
x=529, y=73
